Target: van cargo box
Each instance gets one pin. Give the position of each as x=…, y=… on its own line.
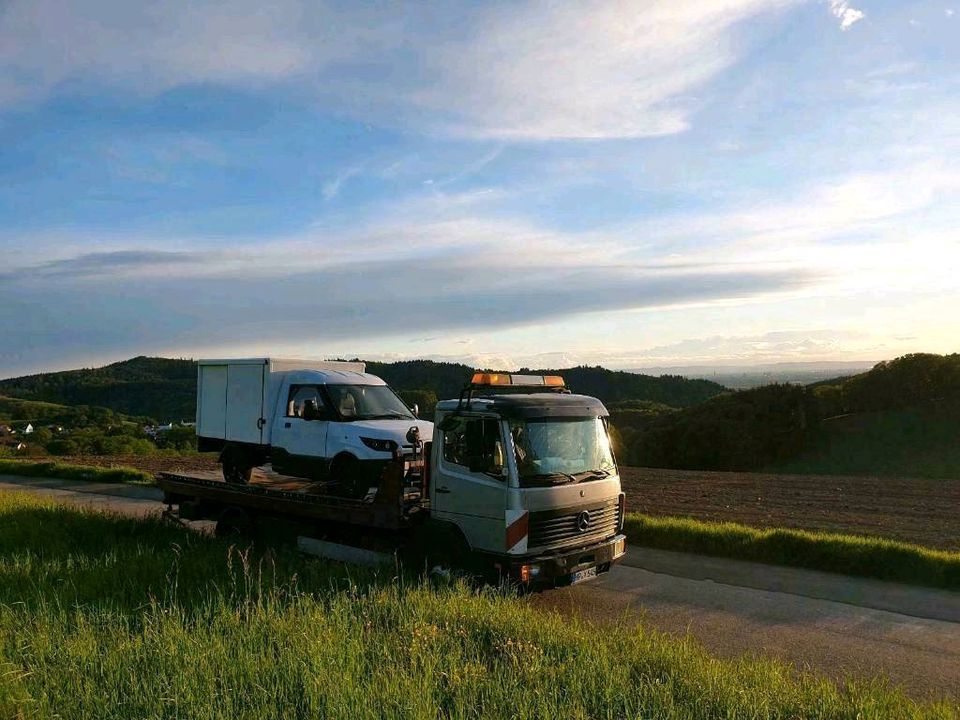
x=234, y=397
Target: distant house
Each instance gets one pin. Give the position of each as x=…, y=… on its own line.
x=12, y=443
x=28, y=429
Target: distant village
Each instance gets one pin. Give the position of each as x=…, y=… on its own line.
x=27, y=437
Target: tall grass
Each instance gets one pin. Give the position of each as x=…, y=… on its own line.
x=68, y=471
x=117, y=618
x=849, y=554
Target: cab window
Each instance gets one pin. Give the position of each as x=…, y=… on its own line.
x=474, y=443
x=305, y=401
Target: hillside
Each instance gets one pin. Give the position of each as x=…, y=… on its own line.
x=922, y=440
x=165, y=389
x=18, y=412
x=155, y=387
x=900, y=418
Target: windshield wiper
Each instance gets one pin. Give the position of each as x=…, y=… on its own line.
x=592, y=474
x=546, y=476
x=385, y=416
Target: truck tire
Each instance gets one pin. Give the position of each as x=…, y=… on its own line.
x=446, y=552
x=234, y=522
x=237, y=466
x=346, y=472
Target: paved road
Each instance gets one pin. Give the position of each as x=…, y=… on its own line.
x=835, y=625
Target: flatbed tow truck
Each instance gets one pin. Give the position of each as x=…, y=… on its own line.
x=517, y=483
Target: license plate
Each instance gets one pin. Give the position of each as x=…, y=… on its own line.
x=582, y=575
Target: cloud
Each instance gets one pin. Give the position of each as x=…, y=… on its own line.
x=845, y=14
x=352, y=302
x=798, y=345
x=848, y=209
x=594, y=70
x=332, y=187
x=536, y=71
x=426, y=270
x=96, y=264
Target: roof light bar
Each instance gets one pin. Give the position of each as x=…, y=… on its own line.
x=517, y=380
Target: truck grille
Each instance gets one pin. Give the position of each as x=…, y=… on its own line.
x=570, y=527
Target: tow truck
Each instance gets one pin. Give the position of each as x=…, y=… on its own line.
x=517, y=482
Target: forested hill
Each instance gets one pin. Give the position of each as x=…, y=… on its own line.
x=900, y=418
x=160, y=388
x=165, y=388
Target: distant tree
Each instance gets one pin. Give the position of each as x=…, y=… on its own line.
x=63, y=446
x=180, y=437
x=425, y=400
x=42, y=436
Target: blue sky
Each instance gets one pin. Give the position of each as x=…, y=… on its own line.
x=631, y=184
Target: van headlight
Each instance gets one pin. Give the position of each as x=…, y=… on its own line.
x=378, y=444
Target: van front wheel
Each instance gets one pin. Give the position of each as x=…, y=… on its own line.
x=347, y=474
x=237, y=468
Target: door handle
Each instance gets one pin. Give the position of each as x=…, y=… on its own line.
x=442, y=489
x=286, y=424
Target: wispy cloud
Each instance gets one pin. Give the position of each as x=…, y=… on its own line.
x=331, y=188
x=607, y=69
x=96, y=264
x=845, y=14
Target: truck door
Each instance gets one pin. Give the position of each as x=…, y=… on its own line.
x=300, y=433
x=470, y=488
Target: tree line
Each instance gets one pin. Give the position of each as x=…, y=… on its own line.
x=750, y=429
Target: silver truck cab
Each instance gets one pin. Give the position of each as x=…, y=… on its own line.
x=529, y=477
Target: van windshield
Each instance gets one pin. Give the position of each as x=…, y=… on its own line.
x=367, y=402
x=554, y=451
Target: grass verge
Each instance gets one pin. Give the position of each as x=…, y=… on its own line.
x=849, y=554
x=66, y=471
x=113, y=617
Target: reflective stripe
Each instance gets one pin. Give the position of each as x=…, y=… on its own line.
x=518, y=530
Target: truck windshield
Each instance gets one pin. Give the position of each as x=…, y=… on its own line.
x=561, y=450
x=367, y=402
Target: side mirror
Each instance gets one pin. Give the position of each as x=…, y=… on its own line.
x=416, y=410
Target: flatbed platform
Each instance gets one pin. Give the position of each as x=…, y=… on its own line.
x=393, y=506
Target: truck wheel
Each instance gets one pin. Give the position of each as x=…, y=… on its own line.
x=237, y=469
x=346, y=472
x=234, y=522
x=448, y=554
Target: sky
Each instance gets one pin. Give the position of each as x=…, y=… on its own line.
x=539, y=184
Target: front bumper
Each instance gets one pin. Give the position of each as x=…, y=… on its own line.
x=557, y=569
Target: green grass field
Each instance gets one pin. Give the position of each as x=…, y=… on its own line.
x=112, y=617
x=849, y=554
x=67, y=471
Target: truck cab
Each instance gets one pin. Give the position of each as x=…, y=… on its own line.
x=526, y=475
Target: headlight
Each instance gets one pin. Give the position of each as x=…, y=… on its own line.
x=378, y=444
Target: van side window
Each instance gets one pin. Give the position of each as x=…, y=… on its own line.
x=476, y=443
x=300, y=396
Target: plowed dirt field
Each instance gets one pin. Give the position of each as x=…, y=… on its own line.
x=926, y=512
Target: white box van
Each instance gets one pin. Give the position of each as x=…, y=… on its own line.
x=323, y=420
